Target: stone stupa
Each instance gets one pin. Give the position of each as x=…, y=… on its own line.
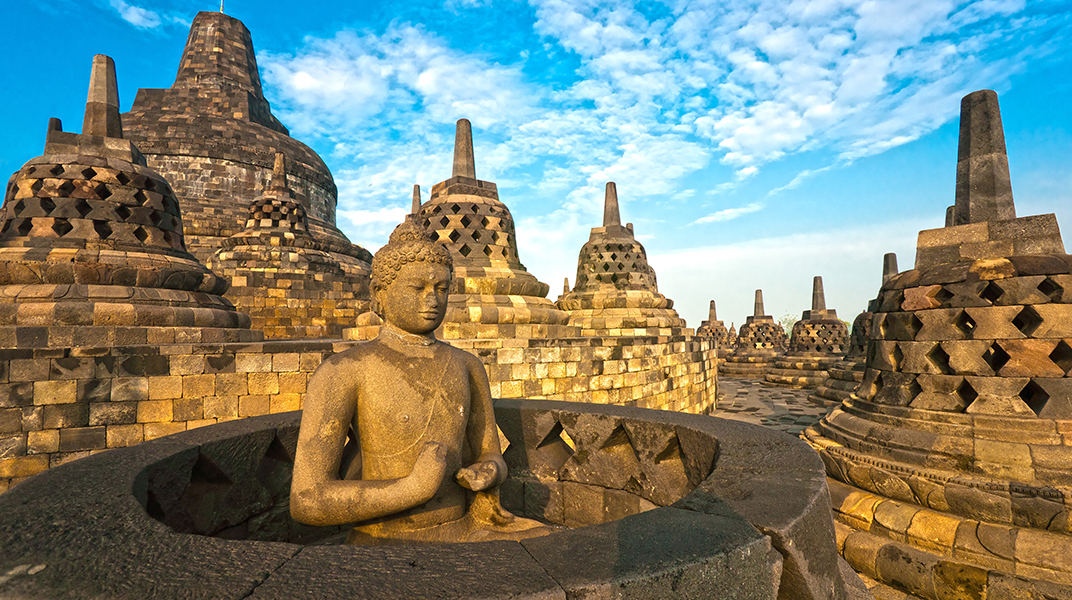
x=818, y=341
x=713, y=328
x=844, y=376
x=213, y=136
x=760, y=341
x=616, y=293
x=950, y=464
x=281, y=276
x=92, y=251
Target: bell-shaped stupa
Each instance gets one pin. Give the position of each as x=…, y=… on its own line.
x=819, y=340
x=844, y=376
x=759, y=342
x=213, y=136
x=952, y=459
x=491, y=288
x=713, y=328
x=92, y=251
x=281, y=276
x=615, y=292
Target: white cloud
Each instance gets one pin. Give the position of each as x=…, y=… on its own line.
x=136, y=16
x=729, y=214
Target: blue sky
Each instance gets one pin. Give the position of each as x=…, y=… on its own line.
x=755, y=144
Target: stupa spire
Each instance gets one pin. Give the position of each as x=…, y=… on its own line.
x=889, y=266
x=415, y=207
x=984, y=190
x=818, y=297
x=102, y=104
x=758, y=310
x=565, y=285
x=712, y=316
x=279, y=172
x=611, y=217
x=219, y=53
x=464, y=161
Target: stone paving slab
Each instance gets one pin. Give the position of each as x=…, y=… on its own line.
x=748, y=400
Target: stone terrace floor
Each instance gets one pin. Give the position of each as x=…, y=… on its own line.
x=778, y=408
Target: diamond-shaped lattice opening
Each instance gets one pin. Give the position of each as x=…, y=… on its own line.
x=444, y=221
x=155, y=218
x=48, y=205
x=88, y=173
x=140, y=196
x=454, y=208
x=606, y=267
x=19, y=207
x=1051, y=289
x=56, y=170
x=476, y=235
x=896, y=357
x=25, y=227
x=484, y=222
x=504, y=442
x=996, y=357
x=614, y=278
x=940, y=359
x=966, y=392
x=122, y=212
x=150, y=184
x=102, y=191
x=466, y=221
x=122, y=178
x=915, y=325
x=621, y=267
x=991, y=292
x=621, y=248
x=488, y=251
x=438, y=209
x=1027, y=321
x=141, y=234
x=427, y=223
x=879, y=384
x=37, y=185
x=613, y=256
x=556, y=447
x=65, y=188
x=102, y=229
x=1034, y=396
x=943, y=295
x=1062, y=356
x=62, y=227
x=634, y=266
x=965, y=323
x=465, y=250
x=454, y=235
x=82, y=208
x=7, y=225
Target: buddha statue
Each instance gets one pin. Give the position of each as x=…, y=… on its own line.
x=398, y=434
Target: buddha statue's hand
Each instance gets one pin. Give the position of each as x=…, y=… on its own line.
x=478, y=476
x=428, y=471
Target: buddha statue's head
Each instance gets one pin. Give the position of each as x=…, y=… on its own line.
x=410, y=280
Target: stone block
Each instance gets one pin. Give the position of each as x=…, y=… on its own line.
x=263, y=383
x=94, y=390
x=155, y=430
x=253, y=406
x=232, y=384
x=165, y=387
x=43, y=442
x=29, y=369
x=130, y=389
x=23, y=466
x=217, y=407
x=55, y=392
x=253, y=363
x=121, y=436
x=282, y=403
x=292, y=383
x=190, y=364
x=60, y=416
x=197, y=386
x=188, y=409
x=16, y=394
x=282, y=363
x=155, y=411
x=113, y=413
x=82, y=438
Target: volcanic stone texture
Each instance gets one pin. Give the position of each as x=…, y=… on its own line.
x=281, y=276
x=212, y=135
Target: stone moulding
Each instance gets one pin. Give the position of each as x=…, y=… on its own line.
x=662, y=505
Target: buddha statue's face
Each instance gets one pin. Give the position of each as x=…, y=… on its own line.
x=416, y=301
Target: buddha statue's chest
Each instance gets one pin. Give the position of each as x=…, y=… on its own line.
x=405, y=405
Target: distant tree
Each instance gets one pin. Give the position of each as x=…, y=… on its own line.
x=787, y=321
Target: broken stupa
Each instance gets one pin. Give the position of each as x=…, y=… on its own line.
x=818, y=341
x=760, y=341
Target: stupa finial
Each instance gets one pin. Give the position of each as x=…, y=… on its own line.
x=984, y=190
x=889, y=266
x=712, y=316
x=565, y=285
x=758, y=310
x=818, y=297
x=416, y=206
x=279, y=172
x=464, y=162
x=102, y=104
x=610, y=207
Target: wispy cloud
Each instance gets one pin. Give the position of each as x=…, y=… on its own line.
x=729, y=214
x=143, y=18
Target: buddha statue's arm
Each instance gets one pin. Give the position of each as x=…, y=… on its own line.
x=488, y=468
x=317, y=495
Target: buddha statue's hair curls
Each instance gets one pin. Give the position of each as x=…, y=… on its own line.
x=408, y=243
